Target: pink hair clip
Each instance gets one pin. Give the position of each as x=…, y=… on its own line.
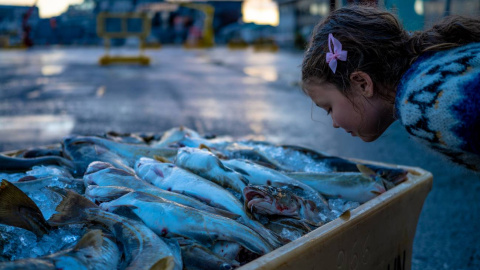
x=337, y=53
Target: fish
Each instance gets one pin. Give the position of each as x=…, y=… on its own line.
x=175, y=135
x=39, y=152
x=337, y=164
x=170, y=177
x=142, y=248
x=35, y=184
x=17, y=209
x=269, y=200
x=176, y=251
x=128, y=152
x=131, y=138
x=166, y=218
x=209, y=166
x=226, y=249
x=241, y=150
x=93, y=251
x=84, y=153
x=99, y=194
x=104, y=174
x=12, y=164
x=198, y=257
x=350, y=186
x=289, y=228
x=263, y=176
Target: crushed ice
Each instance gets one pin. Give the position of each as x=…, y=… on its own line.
x=16, y=243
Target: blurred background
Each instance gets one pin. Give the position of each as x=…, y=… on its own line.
x=219, y=67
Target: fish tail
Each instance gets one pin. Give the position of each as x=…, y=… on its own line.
x=274, y=240
x=17, y=209
x=71, y=209
x=166, y=263
x=93, y=238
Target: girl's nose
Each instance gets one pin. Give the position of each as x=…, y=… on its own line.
x=335, y=125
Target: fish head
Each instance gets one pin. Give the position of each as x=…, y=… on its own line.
x=378, y=186
x=270, y=200
x=152, y=169
x=97, y=166
x=392, y=175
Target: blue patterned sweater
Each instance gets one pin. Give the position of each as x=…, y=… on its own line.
x=438, y=102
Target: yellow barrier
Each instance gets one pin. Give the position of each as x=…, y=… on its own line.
x=123, y=33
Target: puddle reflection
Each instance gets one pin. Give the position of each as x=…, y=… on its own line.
x=35, y=127
x=50, y=70
x=268, y=73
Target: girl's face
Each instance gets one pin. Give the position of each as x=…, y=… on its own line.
x=364, y=116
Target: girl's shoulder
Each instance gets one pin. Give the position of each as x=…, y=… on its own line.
x=438, y=100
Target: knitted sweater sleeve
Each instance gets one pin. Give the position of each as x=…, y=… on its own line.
x=438, y=102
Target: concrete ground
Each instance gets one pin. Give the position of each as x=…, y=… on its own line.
x=46, y=94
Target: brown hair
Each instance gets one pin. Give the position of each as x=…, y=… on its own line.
x=378, y=45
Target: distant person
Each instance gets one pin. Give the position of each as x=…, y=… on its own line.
x=26, y=28
x=366, y=71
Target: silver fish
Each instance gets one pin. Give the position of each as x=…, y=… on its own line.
x=84, y=153
x=93, y=251
x=169, y=177
x=337, y=164
x=226, y=249
x=35, y=184
x=128, y=152
x=207, y=165
x=357, y=187
x=142, y=248
x=104, y=174
x=175, y=135
x=201, y=258
x=105, y=193
x=11, y=164
x=166, y=217
x=263, y=176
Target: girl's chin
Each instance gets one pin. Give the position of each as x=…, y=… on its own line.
x=370, y=138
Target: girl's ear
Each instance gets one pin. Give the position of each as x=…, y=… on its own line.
x=362, y=83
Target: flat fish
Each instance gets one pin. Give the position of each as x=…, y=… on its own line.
x=166, y=217
x=142, y=248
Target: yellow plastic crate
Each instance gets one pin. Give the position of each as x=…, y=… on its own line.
x=377, y=235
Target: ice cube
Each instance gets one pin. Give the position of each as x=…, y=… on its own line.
x=45, y=171
x=290, y=234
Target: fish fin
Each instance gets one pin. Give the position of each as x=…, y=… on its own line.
x=345, y=215
x=161, y=159
x=92, y=238
x=203, y=146
x=166, y=263
x=127, y=211
x=71, y=209
x=96, y=166
x=120, y=172
x=17, y=209
x=239, y=170
x=27, y=178
x=365, y=170
x=387, y=184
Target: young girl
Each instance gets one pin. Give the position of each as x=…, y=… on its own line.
x=366, y=71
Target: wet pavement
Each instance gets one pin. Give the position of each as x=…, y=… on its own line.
x=48, y=93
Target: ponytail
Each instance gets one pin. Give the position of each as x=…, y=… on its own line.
x=453, y=31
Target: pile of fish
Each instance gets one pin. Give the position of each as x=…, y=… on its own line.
x=177, y=200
